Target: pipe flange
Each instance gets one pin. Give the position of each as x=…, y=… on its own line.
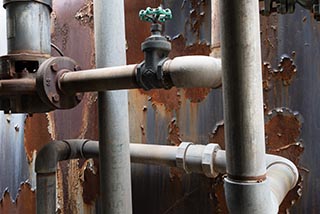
x=47, y=83
x=181, y=156
x=208, y=156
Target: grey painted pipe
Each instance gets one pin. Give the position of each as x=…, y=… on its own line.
x=194, y=71
x=282, y=173
x=247, y=187
x=114, y=140
x=242, y=89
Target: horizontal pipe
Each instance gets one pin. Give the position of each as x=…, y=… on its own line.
x=17, y=86
x=194, y=71
x=282, y=174
x=153, y=154
x=186, y=72
x=110, y=78
x=46, y=167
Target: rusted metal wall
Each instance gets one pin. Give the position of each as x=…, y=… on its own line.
x=169, y=117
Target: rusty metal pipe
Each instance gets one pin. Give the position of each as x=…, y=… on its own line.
x=46, y=166
x=17, y=86
x=110, y=78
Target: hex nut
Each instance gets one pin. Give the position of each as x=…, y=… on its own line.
x=208, y=155
x=181, y=154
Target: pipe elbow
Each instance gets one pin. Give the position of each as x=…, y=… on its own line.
x=50, y=155
x=282, y=174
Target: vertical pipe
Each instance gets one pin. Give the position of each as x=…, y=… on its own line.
x=246, y=187
x=242, y=88
x=115, y=178
x=28, y=26
x=3, y=31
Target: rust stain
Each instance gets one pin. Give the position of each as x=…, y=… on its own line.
x=196, y=16
x=196, y=95
x=24, y=203
x=174, y=139
x=179, y=48
x=169, y=98
x=85, y=14
x=176, y=174
x=36, y=134
x=217, y=135
x=285, y=72
x=283, y=129
x=218, y=195
x=89, y=128
x=269, y=37
x=292, y=196
x=90, y=182
x=174, y=135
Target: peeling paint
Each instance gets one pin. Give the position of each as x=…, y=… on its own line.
x=24, y=203
x=285, y=73
x=90, y=182
x=174, y=135
x=35, y=136
x=283, y=128
x=85, y=14
x=217, y=135
x=169, y=98
x=180, y=48
x=196, y=95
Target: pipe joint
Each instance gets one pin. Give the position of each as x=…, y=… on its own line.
x=50, y=155
x=208, y=157
x=197, y=158
x=181, y=156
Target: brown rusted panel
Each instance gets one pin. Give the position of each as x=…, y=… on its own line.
x=24, y=203
x=283, y=129
x=196, y=95
x=90, y=182
x=36, y=134
x=169, y=98
x=285, y=73
x=217, y=135
x=181, y=48
x=174, y=135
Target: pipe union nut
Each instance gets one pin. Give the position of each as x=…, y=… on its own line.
x=181, y=156
x=208, y=156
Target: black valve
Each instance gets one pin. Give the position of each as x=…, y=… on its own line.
x=156, y=49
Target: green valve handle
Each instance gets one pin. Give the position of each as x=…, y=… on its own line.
x=155, y=15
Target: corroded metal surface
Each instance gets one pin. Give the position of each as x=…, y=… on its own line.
x=169, y=117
